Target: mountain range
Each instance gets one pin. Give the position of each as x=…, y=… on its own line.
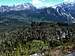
x=63, y=13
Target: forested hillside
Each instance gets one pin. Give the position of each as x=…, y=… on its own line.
x=38, y=37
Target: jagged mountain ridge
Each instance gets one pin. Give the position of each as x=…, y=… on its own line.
x=26, y=6
x=63, y=13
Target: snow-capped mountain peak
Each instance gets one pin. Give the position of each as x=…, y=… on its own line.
x=18, y=7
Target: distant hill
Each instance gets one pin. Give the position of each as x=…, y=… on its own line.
x=27, y=13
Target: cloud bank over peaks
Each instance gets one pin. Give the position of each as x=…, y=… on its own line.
x=39, y=3
x=48, y=3
x=69, y=1
x=45, y=3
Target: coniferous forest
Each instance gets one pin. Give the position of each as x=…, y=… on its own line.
x=43, y=38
